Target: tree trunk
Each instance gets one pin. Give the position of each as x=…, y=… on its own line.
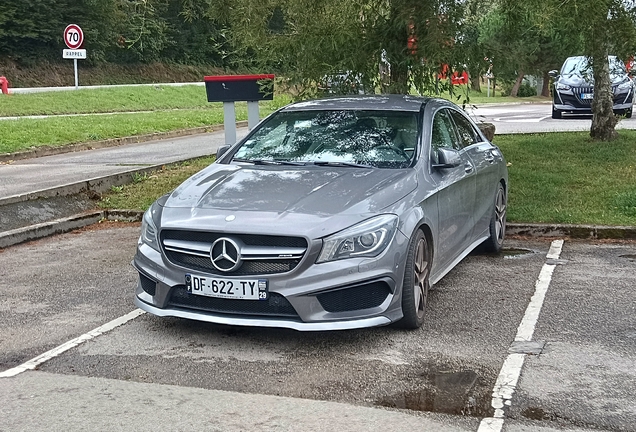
x=475, y=82
x=545, y=89
x=399, y=79
x=603, y=119
x=515, y=88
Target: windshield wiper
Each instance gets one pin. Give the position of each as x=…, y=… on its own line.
x=341, y=164
x=269, y=162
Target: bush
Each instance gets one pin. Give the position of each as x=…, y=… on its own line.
x=526, y=90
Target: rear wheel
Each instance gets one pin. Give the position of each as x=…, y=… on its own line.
x=416, y=282
x=628, y=113
x=494, y=243
x=556, y=114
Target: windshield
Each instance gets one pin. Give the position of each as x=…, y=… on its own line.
x=581, y=67
x=382, y=139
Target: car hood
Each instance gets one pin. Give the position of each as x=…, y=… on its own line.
x=281, y=199
x=576, y=80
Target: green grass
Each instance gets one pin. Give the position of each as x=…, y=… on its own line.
x=138, y=98
x=145, y=189
x=23, y=134
x=568, y=178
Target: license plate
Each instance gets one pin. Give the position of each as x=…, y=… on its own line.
x=239, y=289
x=587, y=96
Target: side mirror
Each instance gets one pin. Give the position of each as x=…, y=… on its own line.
x=553, y=73
x=447, y=158
x=221, y=151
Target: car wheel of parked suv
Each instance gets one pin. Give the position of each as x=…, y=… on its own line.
x=556, y=114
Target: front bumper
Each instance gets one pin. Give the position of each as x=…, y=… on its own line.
x=571, y=101
x=303, y=289
x=256, y=322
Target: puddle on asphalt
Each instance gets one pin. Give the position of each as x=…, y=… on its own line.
x=458, y=393
x=631, y=257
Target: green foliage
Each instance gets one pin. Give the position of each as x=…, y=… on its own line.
x=597, y=28
x=525, y=90
x=307, y=40
x=122, y=31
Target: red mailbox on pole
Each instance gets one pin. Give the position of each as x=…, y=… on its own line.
x=233, y=88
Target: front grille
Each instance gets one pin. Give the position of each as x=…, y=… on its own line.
x=272, y=260
x=275, y=306
x=248, y=239
x=575, y=101
x=581, y=90
x=204, y=264
x=147, y=284
x=355, y=298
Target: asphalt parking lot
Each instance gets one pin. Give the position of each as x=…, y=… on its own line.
x=170, y=374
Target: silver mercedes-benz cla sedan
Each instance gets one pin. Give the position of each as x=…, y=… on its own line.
x=337, y=213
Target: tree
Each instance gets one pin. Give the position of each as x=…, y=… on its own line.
x=307, y=40
x=603, y=27
x=512, y=33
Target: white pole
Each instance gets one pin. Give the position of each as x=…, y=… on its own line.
x=252, y=114
x=488, y=87
x=76, y=80
x=229, y=123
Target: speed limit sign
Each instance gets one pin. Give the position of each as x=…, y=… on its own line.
x=73, y=36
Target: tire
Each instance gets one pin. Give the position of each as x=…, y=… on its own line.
x=494, y=243
x=557, y=114
x=416, y=282
x=628, y=113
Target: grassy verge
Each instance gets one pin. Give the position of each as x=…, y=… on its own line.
x=23, y=134
x=113, y=99
x=567, y=178
x=147, y=188
x=554, y=178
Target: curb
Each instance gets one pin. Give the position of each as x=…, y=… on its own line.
x=96, y=185
x=585, y=232
x=63, y=225
x=112, y=142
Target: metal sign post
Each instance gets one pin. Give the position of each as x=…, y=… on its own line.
x=74, y=38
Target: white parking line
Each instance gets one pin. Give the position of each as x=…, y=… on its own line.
x=511, y=369
x=36, y=361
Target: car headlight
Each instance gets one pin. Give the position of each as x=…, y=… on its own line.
x=149, y=230
x=560, y=86
x=627, y=85
x=366, y=239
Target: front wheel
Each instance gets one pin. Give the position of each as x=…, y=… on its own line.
x=416, y=282
x=494, y=243
x=556, y=114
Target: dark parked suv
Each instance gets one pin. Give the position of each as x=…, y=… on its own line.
x=573, y=88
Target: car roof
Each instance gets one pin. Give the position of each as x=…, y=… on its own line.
x=364, y=103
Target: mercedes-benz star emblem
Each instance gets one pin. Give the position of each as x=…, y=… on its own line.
x=225, y=254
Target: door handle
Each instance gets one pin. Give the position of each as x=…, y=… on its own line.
x=468, y=167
